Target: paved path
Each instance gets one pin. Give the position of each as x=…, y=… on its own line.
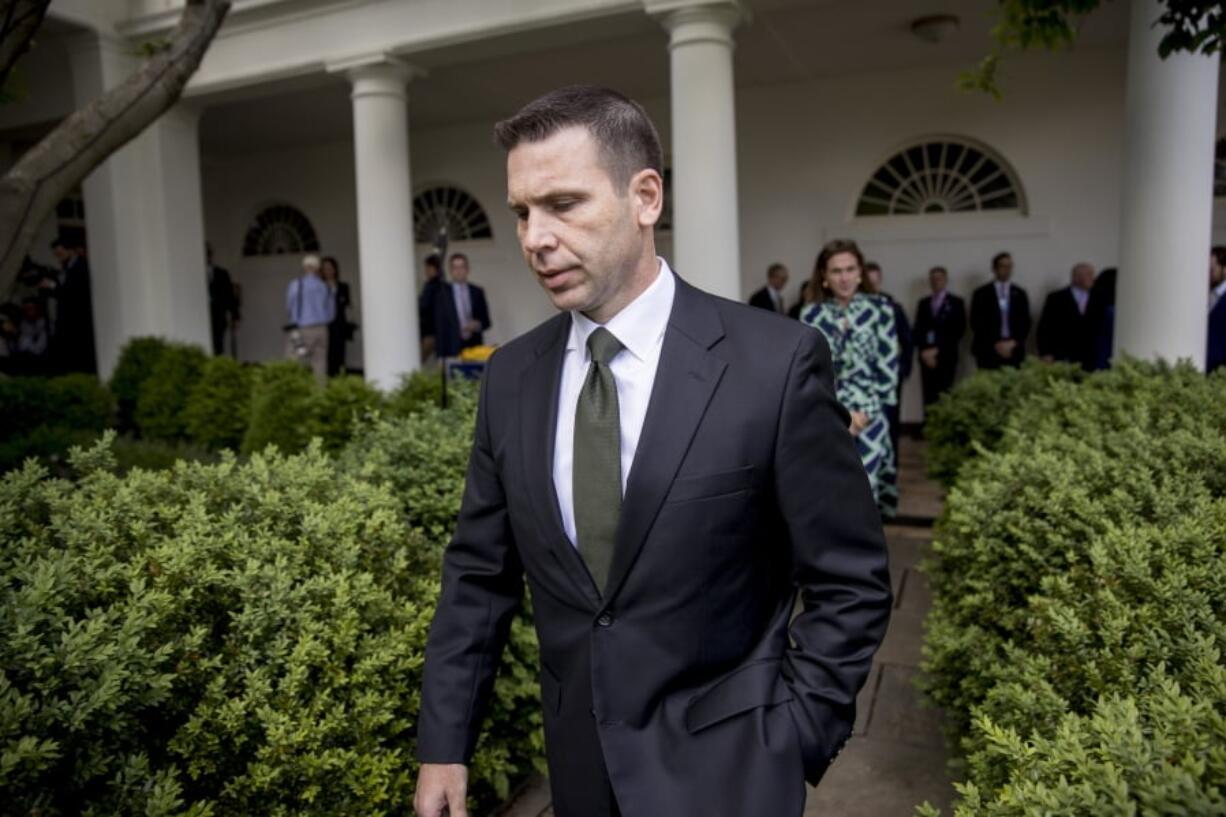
x=896, y=758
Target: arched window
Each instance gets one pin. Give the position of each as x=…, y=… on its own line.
x=440, y=208
x=280, y=230
x=942, y=175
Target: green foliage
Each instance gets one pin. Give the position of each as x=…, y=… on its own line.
x=423, y=388
x=422, y=458
x=137, y=361
x=225, y=639
x=346, y=401
x=160, y=406
x=972, y=416
x=43, y=418
x=284, y=408
x=1192, y=26
x=218, y=406
x=1079, y=611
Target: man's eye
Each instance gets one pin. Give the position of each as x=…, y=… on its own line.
x=563, y=205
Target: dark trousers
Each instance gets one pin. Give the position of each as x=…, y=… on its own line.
x=935, y=382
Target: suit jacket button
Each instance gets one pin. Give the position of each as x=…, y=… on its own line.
x=605, y=620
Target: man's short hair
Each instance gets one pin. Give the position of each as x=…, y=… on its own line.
x=58, y=244
x=871, y=265
x=1219, y=252
x=775, y=267
x=833, y=248
x=432, y=261
x=1000, y=256
x=310, y=261
x=627, y=139
x=935, y=270
x=458, y=256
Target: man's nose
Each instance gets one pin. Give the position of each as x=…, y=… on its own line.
x=537, y=234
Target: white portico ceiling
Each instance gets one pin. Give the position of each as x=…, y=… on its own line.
x=785, y=41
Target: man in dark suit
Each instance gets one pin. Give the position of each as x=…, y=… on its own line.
x=906, y=349
x=940, y=322
x=461, y=313
x=72, y=334
x=770, y=297
x=670, y=470
x=223, y=302
x=1066, y=328
x=1000, y=318
x=1215, y=356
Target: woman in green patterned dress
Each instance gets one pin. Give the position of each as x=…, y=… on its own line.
x=864, y=346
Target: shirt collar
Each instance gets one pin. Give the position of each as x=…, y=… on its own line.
x=640, y=325
x=1220, y=289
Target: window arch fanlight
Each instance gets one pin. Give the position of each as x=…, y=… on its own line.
x=446, y=207
x=280, y=229
x=945, y=174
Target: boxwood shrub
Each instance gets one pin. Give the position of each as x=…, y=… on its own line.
x=284, y=408
x=1079, y=613
x=137, y=360
x=162, y=402
x=218, y=406
x=225, y=639
x=43, y=418
x=973, y=414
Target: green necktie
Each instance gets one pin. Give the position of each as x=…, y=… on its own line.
x=597, y=465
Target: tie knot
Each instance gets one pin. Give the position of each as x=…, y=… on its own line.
x=603, y=345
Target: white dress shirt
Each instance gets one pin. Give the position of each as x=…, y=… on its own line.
x=1082, y=297
x=640, y=327
x=1216, y=294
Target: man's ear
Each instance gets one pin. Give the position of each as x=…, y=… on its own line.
x=647, y=191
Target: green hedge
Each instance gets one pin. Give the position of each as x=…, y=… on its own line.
x=1079, y=611
x=226, y=639
x=137, y=360
x=972, y=415
x=217, y=409
x=162, y=402
x=43, y=418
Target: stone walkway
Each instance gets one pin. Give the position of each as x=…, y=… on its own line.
x=896, y=758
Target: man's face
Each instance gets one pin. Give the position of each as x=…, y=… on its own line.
x=431, y=272
x=1217, y=273
x=459, y=270
x=937, y=280
x=62, y=254
x=582, y=236
x=1083, y=276
x=843, y=275
x=1003, y=269
x=778, y=278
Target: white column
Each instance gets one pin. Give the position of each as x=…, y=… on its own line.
x=706, y=230
x=144, y=219
x=1167, y=210
x=385, y=218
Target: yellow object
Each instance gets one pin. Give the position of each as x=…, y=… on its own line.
x=476, y=354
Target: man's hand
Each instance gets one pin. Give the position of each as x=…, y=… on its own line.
x=1004, y=348
x=929, y=357
x=441, y=790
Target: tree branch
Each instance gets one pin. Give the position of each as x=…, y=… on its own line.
x=21, y=19
x=50, y=170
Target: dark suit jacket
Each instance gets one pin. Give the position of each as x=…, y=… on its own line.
x=986, y=324
x=223, y=306
x=1216, y=352
x=762, y=300
x=72, y=342
x=1064, y=332
x=943, y=330
x=446, y=324
x=679, y=683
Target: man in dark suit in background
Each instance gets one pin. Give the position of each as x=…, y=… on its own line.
x=72, y=333
x=461, y=313
x=770, y=297
x=670, y=470
x=1000, y=318
x=1066, y=329
x=1215, y=356
x=223, y=302
x=906, y=350
x=940, y=322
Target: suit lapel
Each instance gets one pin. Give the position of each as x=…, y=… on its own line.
x=538, y=412
x=686, y=379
